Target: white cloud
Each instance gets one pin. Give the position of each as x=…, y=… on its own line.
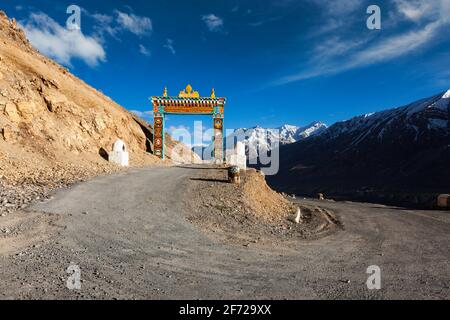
x=335, y=47
x=335, y=15
x=414, y=10
x=213, y=22
x=382, y=51
x=101, y=18
x=264, y=21
x=180, y=129
x=336, y=54
x=396, y=46
x=180, y=133
x=340, y=7
x=112, y=25
x=133, y=23
x=170, y=46
x=143, y=50
x=103, y=24
x=62, y=44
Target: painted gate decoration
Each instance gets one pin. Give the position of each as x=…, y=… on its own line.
x=188, y=102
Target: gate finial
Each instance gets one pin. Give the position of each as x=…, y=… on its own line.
x=189, y=93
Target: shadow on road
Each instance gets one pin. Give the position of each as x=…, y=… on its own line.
x=200, y=167
x=210, y=180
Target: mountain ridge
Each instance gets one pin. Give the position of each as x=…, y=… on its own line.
x=257, y=138
x=399, y=155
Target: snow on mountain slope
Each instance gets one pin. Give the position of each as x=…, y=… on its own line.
x=308, y=131
x=426, y=114
x=258, y=139
x=396, y=153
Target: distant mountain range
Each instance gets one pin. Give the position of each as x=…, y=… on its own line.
x=399, y=156
x=261, y=139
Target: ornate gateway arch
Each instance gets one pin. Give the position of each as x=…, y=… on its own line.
x=188, y=102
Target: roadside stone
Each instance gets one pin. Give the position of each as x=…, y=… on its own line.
x=14, y=196
x=297, y=217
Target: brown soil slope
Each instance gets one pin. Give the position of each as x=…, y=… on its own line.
x=52, y=123
x=251, y=212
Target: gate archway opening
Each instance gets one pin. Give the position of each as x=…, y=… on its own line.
x=189, y=102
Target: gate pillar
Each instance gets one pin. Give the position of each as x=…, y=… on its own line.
x=158, y=133
x=218, y=152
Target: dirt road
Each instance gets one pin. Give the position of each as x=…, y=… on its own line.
x=130, y=238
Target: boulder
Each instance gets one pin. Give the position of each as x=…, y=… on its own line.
x=55, y=101
x=7, y=133
x=234, y=174
x=11, y=112
x=443, y=201
x=28, y=109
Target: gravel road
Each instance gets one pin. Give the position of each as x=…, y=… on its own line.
x=129, y=235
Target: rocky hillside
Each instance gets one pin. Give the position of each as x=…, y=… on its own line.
x=52, y=124
x=396, y=156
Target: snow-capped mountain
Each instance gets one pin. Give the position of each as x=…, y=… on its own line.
x=291, y=134
x=258, y=139
x=415, y=119
x=404, y=150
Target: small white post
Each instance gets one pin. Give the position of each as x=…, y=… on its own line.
x=119, y=155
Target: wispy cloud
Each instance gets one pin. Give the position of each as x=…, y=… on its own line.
x=133, y=23
x=103, y=25
x=339, y=8
x=335, y=15
x=339, y=52
x=213, y=22
x=415, y=10
x=144, y=51
x=170, y=46
x=263, y=21
x=62, y=44
x=118, y=22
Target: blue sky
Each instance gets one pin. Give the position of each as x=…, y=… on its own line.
x=277, y=62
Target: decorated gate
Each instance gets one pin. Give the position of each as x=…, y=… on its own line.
x=188, y=101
